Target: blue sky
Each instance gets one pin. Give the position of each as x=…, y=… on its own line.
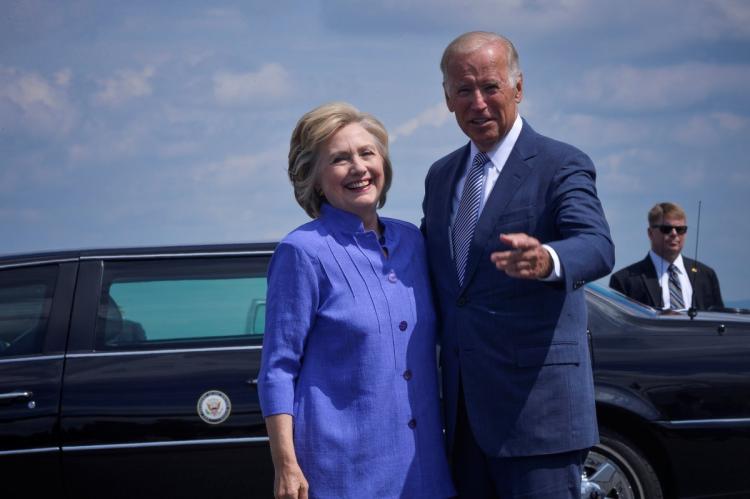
x=151, y=123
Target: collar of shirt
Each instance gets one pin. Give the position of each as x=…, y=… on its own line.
x=661, y=265
x=499, y=154
x=498, y=157
x=338, y=220
x=344, y=222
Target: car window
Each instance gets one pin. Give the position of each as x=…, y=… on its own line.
x=25, y=303
x=171, y=301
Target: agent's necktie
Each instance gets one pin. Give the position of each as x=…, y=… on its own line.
x=468, y=213
x=675, y=289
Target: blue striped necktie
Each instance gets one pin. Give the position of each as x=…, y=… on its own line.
x=675, y=289
x=468, y=213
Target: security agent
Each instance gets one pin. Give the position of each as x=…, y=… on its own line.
x=665, y=279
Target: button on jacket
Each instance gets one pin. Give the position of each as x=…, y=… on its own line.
x=344, y=324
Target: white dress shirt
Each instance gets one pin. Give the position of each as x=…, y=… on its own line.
x=662, y=274
x=498, y=157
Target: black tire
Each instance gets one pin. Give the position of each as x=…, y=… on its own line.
x=620, y=469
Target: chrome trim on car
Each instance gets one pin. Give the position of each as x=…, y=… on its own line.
x=31, y=359
x=178, y=255
x=705, y=423
x=161, y=351
x=16, y=395
x=168, y=443
x=38, y=450
x=41, y=261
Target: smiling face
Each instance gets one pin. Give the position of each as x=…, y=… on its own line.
x=668, y=246
x=351, y=174
x=478, y=91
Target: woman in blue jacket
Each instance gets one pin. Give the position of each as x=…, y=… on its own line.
x=348, y=382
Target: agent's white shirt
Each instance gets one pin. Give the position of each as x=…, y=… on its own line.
x=662, y=274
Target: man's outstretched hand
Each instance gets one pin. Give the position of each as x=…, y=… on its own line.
x=526, y=260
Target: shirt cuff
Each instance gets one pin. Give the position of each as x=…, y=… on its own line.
x=275, y=398
x=557, y=272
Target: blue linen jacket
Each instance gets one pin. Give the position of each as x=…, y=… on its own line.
x=520, y=346
x=349, y=352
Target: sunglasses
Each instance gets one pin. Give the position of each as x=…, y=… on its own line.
x=667, y=229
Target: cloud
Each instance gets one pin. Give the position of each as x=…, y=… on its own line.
x=590, y=131
x=105, y=145
x=433, y=117
x=710, y=129
x=25, y=21
x=693, y=177
x=431, y=15
x=740, y=179
x=31, y=103
x=621, y=171
x=223, y=19
x=669, y=87
x=244, y=170
x=63, y=77
x=123, y=86
x=667, y=23
x=731, y=122
x=25, y=215
x=182, y=148
x=271, y=81
x=723, y=18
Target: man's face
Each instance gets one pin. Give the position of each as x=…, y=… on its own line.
x=477, y=91
x=669, y=245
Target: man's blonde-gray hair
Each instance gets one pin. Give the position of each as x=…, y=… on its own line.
x=473, y=40
x=666, y=209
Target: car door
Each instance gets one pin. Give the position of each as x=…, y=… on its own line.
x=690, y=377
x=159, y=395
x=702, y=388
x=34, y=309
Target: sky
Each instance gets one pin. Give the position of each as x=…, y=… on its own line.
x=158, y=123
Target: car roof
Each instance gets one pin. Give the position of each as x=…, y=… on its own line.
x=20, y=259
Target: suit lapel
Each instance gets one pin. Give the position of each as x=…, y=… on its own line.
x=651, y=282
x=515, y=171
x=695, y=277
x=446, y=184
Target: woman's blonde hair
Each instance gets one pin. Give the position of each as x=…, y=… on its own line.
x=313, y=129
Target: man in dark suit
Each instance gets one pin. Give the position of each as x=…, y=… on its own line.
x=665, y=279
x=514, y=229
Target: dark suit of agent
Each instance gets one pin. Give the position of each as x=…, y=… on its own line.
x=648, y=281
x=517, y=382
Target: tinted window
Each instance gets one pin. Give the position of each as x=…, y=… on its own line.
x=25, y=303
x=186, y=300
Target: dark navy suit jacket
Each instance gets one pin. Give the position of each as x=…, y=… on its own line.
x=520, y=345
x=639, y=282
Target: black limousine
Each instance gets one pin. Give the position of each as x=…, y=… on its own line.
x=131, y=373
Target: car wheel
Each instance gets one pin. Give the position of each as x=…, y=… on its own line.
x=616, y=468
